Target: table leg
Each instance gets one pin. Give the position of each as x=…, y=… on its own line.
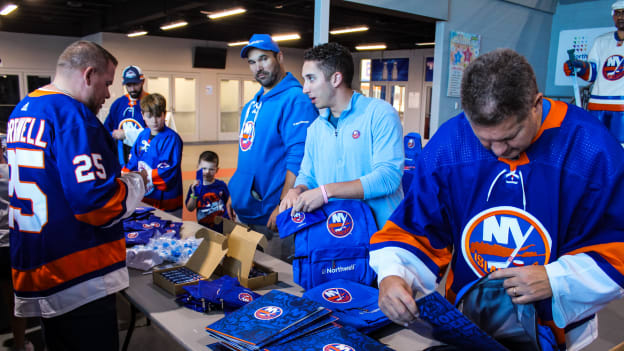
x=133, y=313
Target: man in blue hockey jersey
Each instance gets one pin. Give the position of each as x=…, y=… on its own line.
x=67, y=200
x=272, y=134
x=125, y=120
x=354, y=150
x=528, y=189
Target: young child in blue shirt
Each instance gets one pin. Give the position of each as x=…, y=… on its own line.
x=207, y=194
x=158, y=150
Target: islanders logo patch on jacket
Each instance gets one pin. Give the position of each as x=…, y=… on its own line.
x=337, y=347
x=248, y=132
x=340, y=223
x=503, y=237
x=613, y=68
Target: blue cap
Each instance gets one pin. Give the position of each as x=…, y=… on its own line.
x=262, y=42
x=132, y=74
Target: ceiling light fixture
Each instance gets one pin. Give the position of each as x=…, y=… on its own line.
x=371, y=47
x=8, y=9
x=348, y=30
x=176, y=24
x=425, y=44
x=238, y=43
x=283, y=37
x=224, y=13
x=137, y=33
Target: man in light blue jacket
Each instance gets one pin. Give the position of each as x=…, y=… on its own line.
x=272, y=134
x=354, y=150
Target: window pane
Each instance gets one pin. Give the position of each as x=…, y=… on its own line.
x=229, y=98
x=365, y=89
x=185, y=111
x=35, y=82
x=250, y=88
x=9, y=97
x=159, y=85
x=365, y=70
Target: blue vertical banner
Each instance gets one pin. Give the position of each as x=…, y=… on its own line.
x=395, y=69
x=429, y=69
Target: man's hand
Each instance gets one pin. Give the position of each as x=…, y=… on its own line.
x=271, y=224
x=396, y=300
x=143, y=174
x=229, y=209
x=118, y=134
x=309, y=201
x=289, y=200
x=570, y=66
x=525, y=284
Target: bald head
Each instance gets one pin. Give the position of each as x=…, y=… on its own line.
x=82, y=54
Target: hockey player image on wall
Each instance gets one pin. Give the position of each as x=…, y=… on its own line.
x=605, y=68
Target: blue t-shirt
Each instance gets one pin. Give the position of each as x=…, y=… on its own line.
x=211, y=200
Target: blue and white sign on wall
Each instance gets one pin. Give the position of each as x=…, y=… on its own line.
x=395, y=69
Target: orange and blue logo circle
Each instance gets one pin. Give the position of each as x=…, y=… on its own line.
x=337, y=347
x=133, y=235
x=268, y=312
x=336, y=295
x=247, y=135
x=613, y=68
x=340, y=223
x=503, y=237
x=245, y=297
x=355, y=134
x=411, y=143
x=298, y=217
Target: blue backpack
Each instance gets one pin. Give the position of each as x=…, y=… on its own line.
x=331, y=242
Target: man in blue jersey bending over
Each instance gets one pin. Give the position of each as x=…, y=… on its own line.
x=528, y=189
x=272, y=132
x=68, y=251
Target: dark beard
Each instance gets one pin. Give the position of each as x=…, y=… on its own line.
x=135, y=94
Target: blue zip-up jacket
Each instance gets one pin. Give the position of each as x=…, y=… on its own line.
x=366, y=145
x=272, y=134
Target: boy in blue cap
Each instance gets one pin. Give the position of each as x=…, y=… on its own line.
x=271, y=141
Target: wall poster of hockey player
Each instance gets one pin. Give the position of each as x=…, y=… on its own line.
x=581, y=41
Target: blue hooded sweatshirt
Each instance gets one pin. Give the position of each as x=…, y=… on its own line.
x=273, y=129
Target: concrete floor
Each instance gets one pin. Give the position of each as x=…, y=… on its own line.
x=149, y=337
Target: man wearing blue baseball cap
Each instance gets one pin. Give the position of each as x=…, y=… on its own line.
x=125, y=120
x=271, y=142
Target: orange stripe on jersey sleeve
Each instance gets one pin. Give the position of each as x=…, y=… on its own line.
x=110, y=210
x=158, y=181
x=166, y=205
x=125, y=170
x=612, y=252
x=70, y=267
x=392, y=232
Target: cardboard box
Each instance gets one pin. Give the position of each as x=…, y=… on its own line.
x=236, y=250
x=238, y=262
x=204, y=261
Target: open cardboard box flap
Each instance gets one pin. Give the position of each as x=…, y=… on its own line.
x=242, y=245
x=209, y=254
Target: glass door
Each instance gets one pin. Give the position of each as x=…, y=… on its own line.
x=393, y=93
x=233, y=94
x=181, y=94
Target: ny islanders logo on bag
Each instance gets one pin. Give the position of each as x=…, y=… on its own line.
x=337, y=347
x=267, y=313
x=613, y=68
x=245, y=297
x=340, y=224
x=503, y=237
x=336, y=295
x=133, y=235
x=411, y=143
x=247, y=135
x=298, y=217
